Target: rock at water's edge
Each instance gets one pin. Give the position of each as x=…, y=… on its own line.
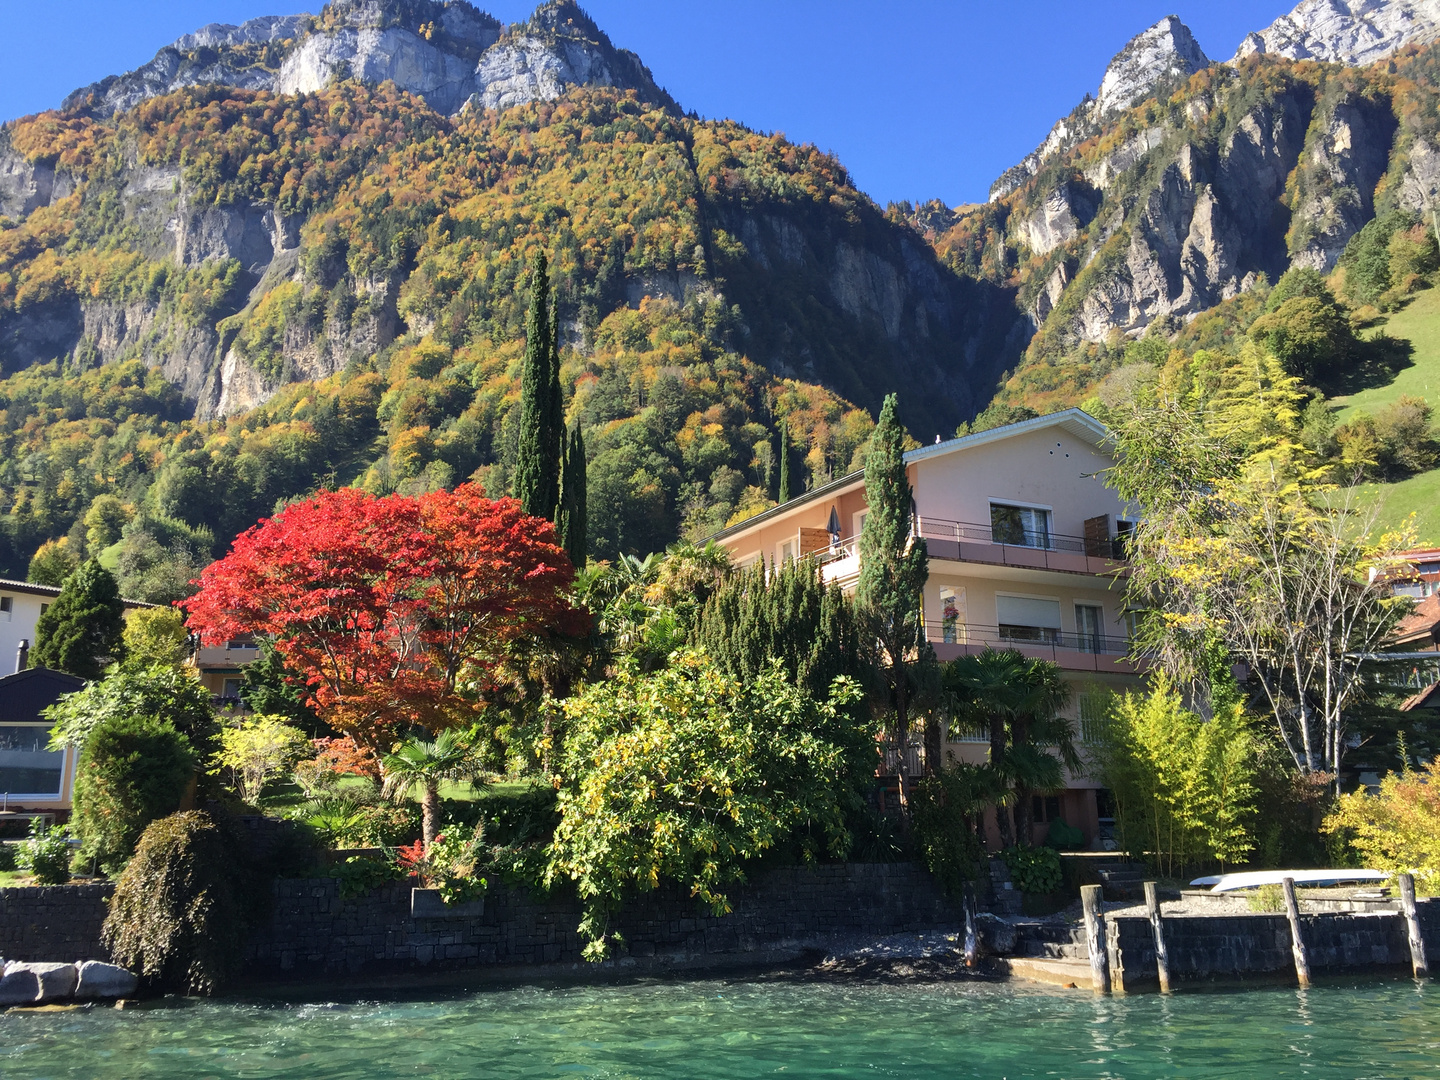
x=101, y=980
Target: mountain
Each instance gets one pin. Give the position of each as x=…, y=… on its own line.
x=215, y=297
x=1353, y=32
x=450, y=54
x=1160, y=57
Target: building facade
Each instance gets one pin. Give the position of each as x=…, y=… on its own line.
x=1026, y=547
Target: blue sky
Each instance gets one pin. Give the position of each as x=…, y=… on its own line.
x=919, y=98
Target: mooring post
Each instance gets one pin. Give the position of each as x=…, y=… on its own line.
x=1157, y=927
x=1412, y=924
x=972, y=944
x=1297, y=943
x=1095, y=938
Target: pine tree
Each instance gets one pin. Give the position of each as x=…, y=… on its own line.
x=570, y=516
x=81, y=631
x=893, y=571
x=542, y=425
x=784, y=462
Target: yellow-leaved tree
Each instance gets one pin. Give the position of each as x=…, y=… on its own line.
x=1397, y=829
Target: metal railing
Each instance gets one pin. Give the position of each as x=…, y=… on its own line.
x=1027, y=549
x=1004, y=637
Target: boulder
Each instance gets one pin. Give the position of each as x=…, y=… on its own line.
x=18, y=986
x=55, y=982
x=101, y=980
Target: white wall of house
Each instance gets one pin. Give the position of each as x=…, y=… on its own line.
x=18, y=622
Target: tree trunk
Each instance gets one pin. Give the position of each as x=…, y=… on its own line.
x=997, y=756
x=1024, y=817
x=430, y=815
x=934, y=746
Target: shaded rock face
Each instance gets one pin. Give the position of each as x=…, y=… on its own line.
x=1160, y=56
x=1350, y=32
x=450, y=54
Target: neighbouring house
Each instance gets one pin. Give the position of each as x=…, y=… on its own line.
x=221, y=667
x=32, y=777
x=1027, y=551
x=20, y=606
x=1418, y=575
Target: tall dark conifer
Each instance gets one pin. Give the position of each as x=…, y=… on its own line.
x=784, y=495
x=80, y=632
x=893, y=570
x=570, y=517
x=542, y=425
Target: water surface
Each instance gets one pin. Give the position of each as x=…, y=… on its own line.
x=721, y=1030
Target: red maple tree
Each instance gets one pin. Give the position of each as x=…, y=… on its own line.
x=394, y=610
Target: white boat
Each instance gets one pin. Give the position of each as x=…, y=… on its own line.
x=1253, y=879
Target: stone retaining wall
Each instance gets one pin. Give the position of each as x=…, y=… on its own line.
x=313, y=930
x=1223, y=947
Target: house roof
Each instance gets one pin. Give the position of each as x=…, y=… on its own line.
x=1429, y=698
x=1420, y=624
x=6, y=585
x=1075, y=422
x=24, y=694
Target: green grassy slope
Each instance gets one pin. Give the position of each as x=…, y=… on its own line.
x=1418, y=323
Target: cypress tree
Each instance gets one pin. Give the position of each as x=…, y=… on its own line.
x=81, y=631
x=537, y=465
x=784, y=462
x=893, y=572
x=570, y=517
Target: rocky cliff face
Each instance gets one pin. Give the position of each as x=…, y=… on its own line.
x=1346, y=31
x=1160, y=56
x=450, y=54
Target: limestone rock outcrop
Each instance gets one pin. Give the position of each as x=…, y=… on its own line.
x=451, y=54
x=1352, y=32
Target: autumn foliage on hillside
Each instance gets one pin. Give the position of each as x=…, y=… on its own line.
x=394, y=610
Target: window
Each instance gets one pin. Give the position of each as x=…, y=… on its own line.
x=1123, y=532
x=230, y=689
x=1094, y=715
x=7, y=604
x=785, y=551
x=1028, y=618
x=1088, y=621
x=1046, y=808
x=859, y=519
x=26, y=766
x=1022, y=526
x=240, y=643
x=748, y=561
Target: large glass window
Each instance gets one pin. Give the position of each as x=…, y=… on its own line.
x=1023, y=526
x=26, y=767
x=1088, y=620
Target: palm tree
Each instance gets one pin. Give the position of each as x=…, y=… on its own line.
x=1016, y=702
x=419, y=767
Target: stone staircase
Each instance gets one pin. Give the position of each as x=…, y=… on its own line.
x=1051, y=941
x=1124, y=880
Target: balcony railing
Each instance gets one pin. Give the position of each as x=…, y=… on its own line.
x=969, y=541
x=1032, y=641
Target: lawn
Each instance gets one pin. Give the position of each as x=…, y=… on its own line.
x=1418, y=323
x=1420, y=495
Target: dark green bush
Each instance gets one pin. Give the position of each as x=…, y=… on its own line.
x=361, y=874
x=1064, y=837
x=942, y=809
x=7, y=857
x=133, y=770
x=178, y=916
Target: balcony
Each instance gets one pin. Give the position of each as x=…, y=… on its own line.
x=1072, y=652
x=968, y=541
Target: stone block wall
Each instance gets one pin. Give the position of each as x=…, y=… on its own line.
x=311, y=929
x=1216, y=947
x=58, y=923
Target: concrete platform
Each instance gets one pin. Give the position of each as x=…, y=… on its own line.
x=1070, y=974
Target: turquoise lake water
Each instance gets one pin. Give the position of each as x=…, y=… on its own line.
x=729, y=1030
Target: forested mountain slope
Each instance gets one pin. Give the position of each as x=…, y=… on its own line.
x=330, y=284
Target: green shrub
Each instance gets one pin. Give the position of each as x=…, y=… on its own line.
x=7, y=857
x=1034, y=870
x=178, y=913
x=46, y=854
x=362, y=874
x=133, y=770
x=1064, y=837
x=1266, y=898
x=942, y=807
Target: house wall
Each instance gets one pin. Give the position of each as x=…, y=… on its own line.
x=17, y=623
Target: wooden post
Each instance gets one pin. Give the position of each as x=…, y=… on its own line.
x=1412, y=924
x=972, y=943
x=1157, y=927
x=1297, y=943
x=1095, y=938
